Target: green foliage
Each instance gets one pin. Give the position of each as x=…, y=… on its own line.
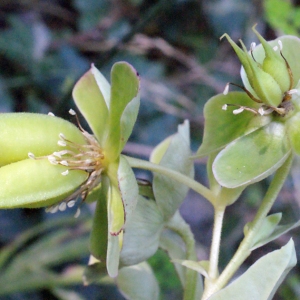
x=43, y=52
x=283, y=15
x=252, y=285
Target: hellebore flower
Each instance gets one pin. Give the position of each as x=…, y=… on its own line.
x=256, y=130
x=47, y=161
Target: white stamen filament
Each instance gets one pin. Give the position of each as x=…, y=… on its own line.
x=280, y=45
x=275, y=48
x=252, y=46
x=71, y=203
x=224, y=107
x=238, y=110
x=51, y=114
x=62, y=143
x=293, y=91
x=62, y=136
x=226, y=89
x=31, y=155
x=64, y=163
x=261, y=111
x=52, y=160
x=72, y=112
x=62, y=206
x=65, y=173
x=77, y=214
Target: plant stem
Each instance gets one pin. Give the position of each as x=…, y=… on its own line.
x=192, y=287
x=213, y=271
x=244, y=249
x=191, y=183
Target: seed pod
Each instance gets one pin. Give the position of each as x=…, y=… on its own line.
x=21, y=133
x=36, y=183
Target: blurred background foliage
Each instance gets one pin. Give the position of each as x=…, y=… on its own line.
x=46, y=45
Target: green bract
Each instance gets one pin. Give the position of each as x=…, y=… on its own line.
x=255, y=131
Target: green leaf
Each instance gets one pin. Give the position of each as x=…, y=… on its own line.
x=21, y=133
x=268, y=226
x=263, y=278
x=142, y=233
x=252, y=157
x=278, y=231
x=36, y=183
x=89, y=95
x=124, y=89
x=222, y=126
x=172, y=243
x=169, y=194
x=198, y=266
x=138, y=282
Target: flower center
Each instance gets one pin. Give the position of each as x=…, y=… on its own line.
x=87, y=157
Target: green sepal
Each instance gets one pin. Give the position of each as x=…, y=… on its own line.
x=252, y=157
x=174, y=153
x=88, y=95
x=116, y=215
x=222, y=126
x=293, y=131
x=223, y=196
x=113, y=254
x=98, y=237
x=124, y=89
x=122, y=196
x=21, y=133
x=142, y=233
x=36, y=183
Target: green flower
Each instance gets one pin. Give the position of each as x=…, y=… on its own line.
x=47, y=161
x=255, y=131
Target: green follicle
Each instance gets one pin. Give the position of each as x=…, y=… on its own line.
x=275, y=64
x=272, y=81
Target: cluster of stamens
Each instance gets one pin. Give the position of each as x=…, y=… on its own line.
x=87, y=157
x=285, y=105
